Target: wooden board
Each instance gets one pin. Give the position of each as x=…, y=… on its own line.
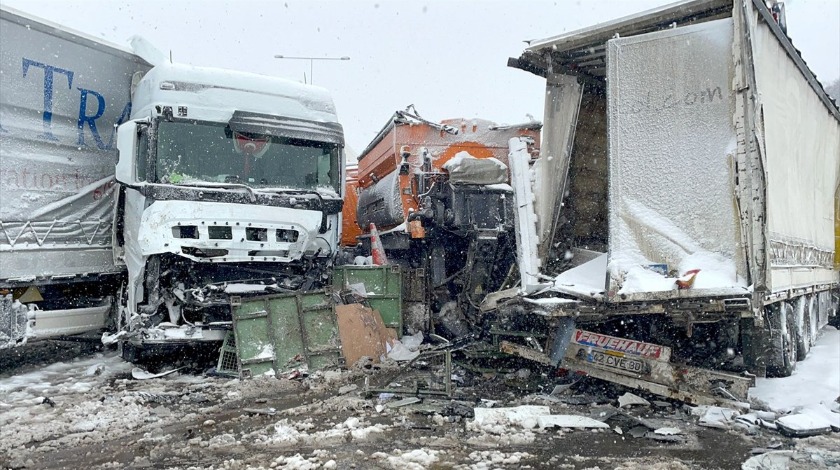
x=362, y=333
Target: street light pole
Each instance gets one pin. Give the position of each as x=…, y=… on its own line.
x=311, y=61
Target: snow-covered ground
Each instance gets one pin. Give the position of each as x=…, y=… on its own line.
x=816, y=380
x=91, y=413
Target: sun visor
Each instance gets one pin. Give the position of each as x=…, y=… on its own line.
x=281, y=126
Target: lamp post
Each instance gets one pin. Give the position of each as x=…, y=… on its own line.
x=311, y=61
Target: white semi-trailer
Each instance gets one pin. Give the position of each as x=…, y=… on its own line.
x=688, y=198
x=226, y=184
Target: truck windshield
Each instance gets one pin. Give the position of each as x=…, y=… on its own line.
x=196, y=152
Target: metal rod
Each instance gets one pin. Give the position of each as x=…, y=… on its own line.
x=311, y=61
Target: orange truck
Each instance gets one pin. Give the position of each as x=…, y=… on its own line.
x=439, y=196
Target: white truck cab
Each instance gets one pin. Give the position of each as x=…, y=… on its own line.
x=231, y=184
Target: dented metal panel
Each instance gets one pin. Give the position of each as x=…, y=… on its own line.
x=643, y=366
x=277, y=333
x=383, y=289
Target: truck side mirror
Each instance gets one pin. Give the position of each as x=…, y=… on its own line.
x=126, y=151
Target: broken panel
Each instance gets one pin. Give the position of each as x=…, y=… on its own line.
x=276, y=333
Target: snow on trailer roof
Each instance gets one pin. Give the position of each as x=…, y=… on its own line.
x=583, y=52
x=413, y=117
x=45, y=26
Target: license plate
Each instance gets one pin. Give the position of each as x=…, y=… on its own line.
x=615, y=362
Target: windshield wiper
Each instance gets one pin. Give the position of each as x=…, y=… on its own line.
x=208, y=184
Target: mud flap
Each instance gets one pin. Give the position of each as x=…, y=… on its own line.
x=754, y=342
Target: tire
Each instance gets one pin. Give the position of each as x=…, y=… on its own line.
x=783, y=346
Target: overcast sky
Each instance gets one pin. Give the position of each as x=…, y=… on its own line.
x=448, y=58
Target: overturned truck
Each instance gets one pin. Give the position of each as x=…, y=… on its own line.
x=686, y=215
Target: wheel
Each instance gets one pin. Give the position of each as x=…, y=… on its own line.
x=782, y=350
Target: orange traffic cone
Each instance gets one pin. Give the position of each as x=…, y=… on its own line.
x=377, y=251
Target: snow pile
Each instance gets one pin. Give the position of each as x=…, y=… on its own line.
x=295, y=434
x=809, y=396
x=298, y=462
x=222, y=440
x=815, y=381
x=504, y=426
x=48, y=402
x=495, y=419
x=417, y=459
x=801, y=458
x=490, y=459
x=644, y=233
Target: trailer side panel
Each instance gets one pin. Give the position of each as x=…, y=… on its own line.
x=801, y=155
x=60, y=95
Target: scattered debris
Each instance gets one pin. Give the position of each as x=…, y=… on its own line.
x=715, y=416
x=661, y=404
x=347, y=389
x=639, y=431
x=403, y=402
x=664, y=437
x=397, y=351
x=629, y=399
x=140, y=374
x=525, y=416
x=457, y=409
x=569, y=421
x=668, y=431
x=362, y=333
x=803, y=425
x=260, y=411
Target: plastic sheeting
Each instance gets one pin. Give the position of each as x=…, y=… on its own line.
x=463, y=168
x=60, y=96
x=802, y=160
x=671, y=144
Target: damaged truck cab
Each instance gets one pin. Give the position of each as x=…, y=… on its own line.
x=230, y=184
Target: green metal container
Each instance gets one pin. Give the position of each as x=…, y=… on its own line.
x=286, y=331
x=383, y=288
